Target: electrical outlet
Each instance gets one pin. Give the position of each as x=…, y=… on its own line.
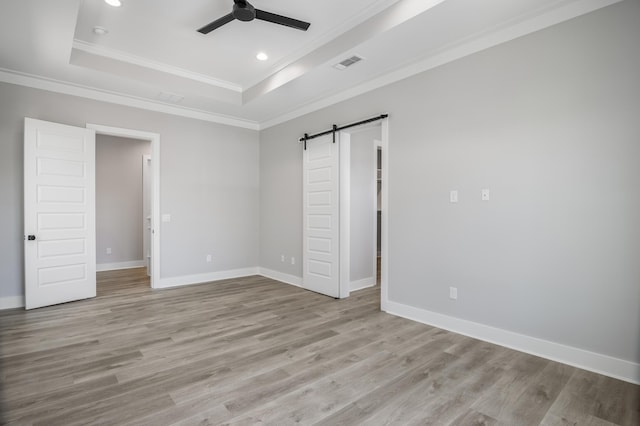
x=108, y=250
x=485, y=195
x=293, y=260
x=209, y=258
x=453, y=293
x=282, y=258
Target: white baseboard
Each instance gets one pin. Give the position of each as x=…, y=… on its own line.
x=203, y=278
x=280, y=276
x=363, y=283
x=11, y=302
x=100, y=267
x=586, y=360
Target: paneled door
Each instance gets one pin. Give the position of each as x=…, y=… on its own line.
x=59, y=213
x=321, y=214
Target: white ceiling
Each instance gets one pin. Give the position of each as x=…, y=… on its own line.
x=153, y=57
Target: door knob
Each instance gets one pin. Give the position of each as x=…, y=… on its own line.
x=31, y=237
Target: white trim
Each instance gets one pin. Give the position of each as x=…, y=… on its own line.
x=598, y=363
x=122, y=132
x=465, y=48
x=344, y=214
x=100, y=267
x=11, y=302
x=280, y=276
x=154, y=138
x=57, y=86
x=377, y=145
x=363, y=283
x=205, y=278
x=158, y=66
x=384, y=208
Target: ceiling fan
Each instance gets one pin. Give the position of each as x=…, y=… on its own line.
x=244, y=11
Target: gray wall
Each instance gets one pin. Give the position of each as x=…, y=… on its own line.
x=363, y=196
x=209, y=182
x=549, y=122
x=119, y=217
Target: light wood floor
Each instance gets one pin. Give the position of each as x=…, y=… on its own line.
x=253, y=350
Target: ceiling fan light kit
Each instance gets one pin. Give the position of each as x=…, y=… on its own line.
x=244, y=11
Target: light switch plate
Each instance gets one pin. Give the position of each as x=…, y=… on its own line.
x=453, y=293
x=166, y=217
x=453, y=196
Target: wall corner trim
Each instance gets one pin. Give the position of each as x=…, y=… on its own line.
x=580, y=358
x=281, y=276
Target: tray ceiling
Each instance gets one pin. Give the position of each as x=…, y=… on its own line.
x=153, y=57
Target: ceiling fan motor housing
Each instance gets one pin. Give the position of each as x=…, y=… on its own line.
x=243, y=11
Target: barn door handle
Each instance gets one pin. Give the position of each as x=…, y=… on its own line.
x=31, y=237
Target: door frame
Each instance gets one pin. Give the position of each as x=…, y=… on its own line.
x=384, y=209
x=154, y=139
x=377, y=146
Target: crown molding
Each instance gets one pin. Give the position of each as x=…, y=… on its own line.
x=452, y=53
x=51, y=85
x=158, y=66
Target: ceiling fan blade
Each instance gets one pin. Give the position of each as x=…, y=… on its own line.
x=216, y=24
x=282, y=20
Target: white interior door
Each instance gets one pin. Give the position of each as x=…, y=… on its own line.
x=321, y=224
x=59, y=209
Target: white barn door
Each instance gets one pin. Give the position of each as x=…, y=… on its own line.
x=321, y=224
x=59, y=213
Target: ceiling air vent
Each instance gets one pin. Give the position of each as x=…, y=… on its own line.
x=348, y=62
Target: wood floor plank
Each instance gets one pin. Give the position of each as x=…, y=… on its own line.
x=593, y=398
x=249, y=350
x=533, y=403
x=473, y=418
x=442, y=399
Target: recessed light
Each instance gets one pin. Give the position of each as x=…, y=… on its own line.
x=114, y=3
x=262, y=56
x=100, y=31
